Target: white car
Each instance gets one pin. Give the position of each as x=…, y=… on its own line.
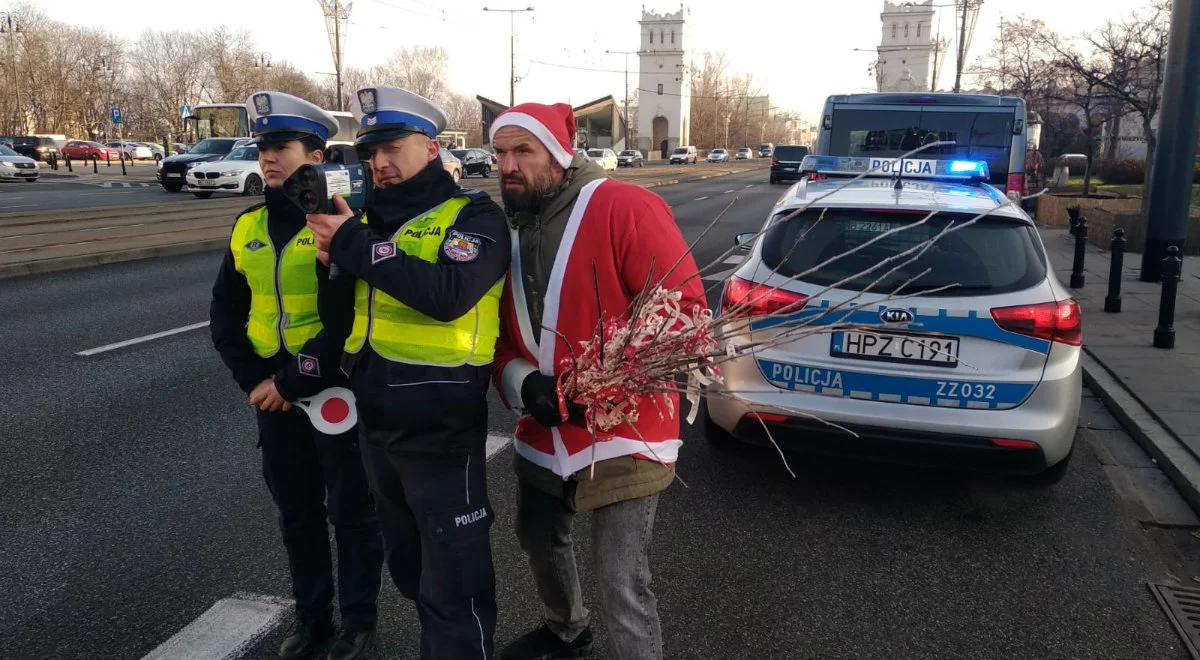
x=718, y=156
x=943, y=339
x=15, y=167
x=605, y=158
x=237, y=172
x=132, y=150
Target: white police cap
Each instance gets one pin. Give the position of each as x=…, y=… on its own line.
x=390, y=113
x=279, y=117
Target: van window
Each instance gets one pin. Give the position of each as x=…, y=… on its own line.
x=680, y=150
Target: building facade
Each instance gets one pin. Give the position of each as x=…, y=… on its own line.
x=907, y=48
x=664, y=85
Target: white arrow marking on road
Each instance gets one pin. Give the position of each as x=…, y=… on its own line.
x=138, y=340
x=226, y=630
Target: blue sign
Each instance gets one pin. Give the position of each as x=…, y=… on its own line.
x=116, y=116
x=185, y=111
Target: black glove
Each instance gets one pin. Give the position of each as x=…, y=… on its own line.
x=539, y=392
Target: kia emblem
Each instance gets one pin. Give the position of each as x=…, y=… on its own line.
x=896, y=315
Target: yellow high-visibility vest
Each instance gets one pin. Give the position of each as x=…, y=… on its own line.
x=283, y=284
x=400, y=333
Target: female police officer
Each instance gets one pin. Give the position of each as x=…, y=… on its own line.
x=266, y=326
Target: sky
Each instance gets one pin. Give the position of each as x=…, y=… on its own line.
x=798, y=51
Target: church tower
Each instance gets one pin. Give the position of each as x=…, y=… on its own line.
x=664, y=85
x=906, y=51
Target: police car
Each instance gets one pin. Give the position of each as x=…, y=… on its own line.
x=972, y=363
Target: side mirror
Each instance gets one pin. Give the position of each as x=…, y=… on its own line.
x=745, y=241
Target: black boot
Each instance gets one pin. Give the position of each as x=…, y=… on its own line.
x=542, y=644
x=308, y=634
x=351, y=645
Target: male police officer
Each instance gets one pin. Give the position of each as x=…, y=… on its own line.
x=430, y=259
x=266, y=326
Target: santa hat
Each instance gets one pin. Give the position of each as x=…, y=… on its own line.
x=553, y=125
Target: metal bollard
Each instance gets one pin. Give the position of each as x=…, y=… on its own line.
x=95, y=164
x=1072, y=218
x=1172, y=266
x=1080, y=246
x=1116, y=252
x=68, y=159
x=54, y=160
x=123, y=172
x=108, y=159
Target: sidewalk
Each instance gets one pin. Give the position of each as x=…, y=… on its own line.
x=1154, y=392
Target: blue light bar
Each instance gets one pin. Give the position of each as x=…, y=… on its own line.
x=917, y=168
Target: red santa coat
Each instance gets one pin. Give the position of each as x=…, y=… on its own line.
x=615, y=234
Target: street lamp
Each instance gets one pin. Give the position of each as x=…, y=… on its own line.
x=10, y=27
x=262, y=60
x=512, y=62
x=104, y=68
x=626, y=53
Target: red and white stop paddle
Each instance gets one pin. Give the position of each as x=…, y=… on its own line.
x=331, y=410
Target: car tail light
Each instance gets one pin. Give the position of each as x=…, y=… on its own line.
x=774, y=161
x=1013, y=444
x=748, y=299
x=1053, y=321
x=1016, y=184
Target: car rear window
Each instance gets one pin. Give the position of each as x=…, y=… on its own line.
x=991, y=256
x=791, y=153
x=596, y=152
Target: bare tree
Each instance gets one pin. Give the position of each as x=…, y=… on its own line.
x=1020, y=64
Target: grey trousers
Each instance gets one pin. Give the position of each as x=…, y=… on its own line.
x=621, y=535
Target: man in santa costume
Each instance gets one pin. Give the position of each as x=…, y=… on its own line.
x=581, y=243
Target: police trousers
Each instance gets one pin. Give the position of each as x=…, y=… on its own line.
x=317, y=480
x=424, y=451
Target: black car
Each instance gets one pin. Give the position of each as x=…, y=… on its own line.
x=474, y=161
x=37, y=148
x=171, y=170
x=630, y=158
x=785, y=162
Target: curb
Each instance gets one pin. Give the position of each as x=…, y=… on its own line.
x=100, y=259
x=1175, y=459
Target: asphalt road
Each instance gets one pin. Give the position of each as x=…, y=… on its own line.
x=109, y=188
x=131, y=501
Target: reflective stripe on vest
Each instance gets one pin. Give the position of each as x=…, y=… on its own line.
x=292, y=274
x=400, y=333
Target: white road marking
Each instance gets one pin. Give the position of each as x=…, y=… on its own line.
x=699, y=199
x=138, y=340
x=227, y=630
x=726, y=192
x=496, y=444
x=717, y=277
x=751, y=185
x=17, y=206
x=735, y=259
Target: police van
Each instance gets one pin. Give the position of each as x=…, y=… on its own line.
x=942, y=340
x=982, y=127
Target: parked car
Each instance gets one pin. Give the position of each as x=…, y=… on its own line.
x=718, y=155
x=86, y=150
x=475, y=161
x=452, y=164
x=745, y=153
x=976, y=366
x=630, y=158
x=605, y=158
x=37, y=148
x=238, y=172
x=178, y=148
x=785, y=162
x=132, y=150
x=156, y=150
x=6, y=141
x=172, y=170
x=683, y=155
x=15, y=167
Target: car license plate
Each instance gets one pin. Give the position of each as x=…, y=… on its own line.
x=206, y=184
x=934, y=351
x=172, y=176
